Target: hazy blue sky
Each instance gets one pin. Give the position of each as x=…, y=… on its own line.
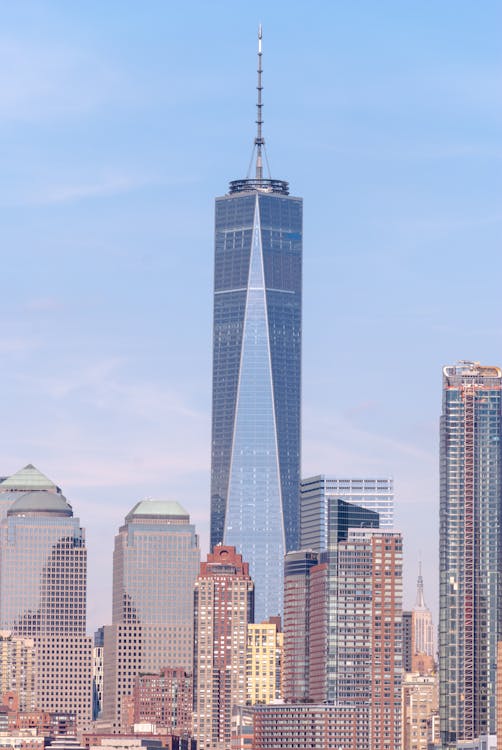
x=119, y=124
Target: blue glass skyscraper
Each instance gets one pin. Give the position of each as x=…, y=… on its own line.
x=255, y=467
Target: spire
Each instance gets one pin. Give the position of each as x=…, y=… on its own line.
x=259, y=182
x=420, y=602
x=259, y=140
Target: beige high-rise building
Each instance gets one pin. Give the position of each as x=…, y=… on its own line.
x=43, y=587
x=420, y=710
x=264, y=662
x=224, y=605
x=64, y=675
x=155, y=564
x=17, y=668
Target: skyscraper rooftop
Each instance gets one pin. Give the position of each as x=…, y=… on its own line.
x=40, y=502
x=150, y=508
x=28, y=478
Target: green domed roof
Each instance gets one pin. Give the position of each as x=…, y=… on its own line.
x=28, y=478
x=150, y=508
x=40, y=501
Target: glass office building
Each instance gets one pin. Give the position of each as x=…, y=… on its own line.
x=470, y=550
x=325, y=520
x=256, y=380
x=43, y=567
x=255, y=448
x=43, y=587
x=155, y=563
x=375, y=494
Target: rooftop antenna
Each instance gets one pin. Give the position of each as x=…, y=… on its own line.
x=259, y=182
x=259, y=141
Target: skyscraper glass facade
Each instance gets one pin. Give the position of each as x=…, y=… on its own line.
x=255, y=471
x=43, y=567
x=470, y=550
x=43, y=584
x=155, y=563
x=326, y=520
x=374, y=494
x=297, y=567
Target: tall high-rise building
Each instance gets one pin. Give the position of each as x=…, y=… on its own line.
x=255, y=461
x=325, y=521
x=297, y=567
x=224, y=594
x=470, y=550
x=373, y=494
x=155, y=564
x=356, y=605
x=43, y=567
x=43, y=587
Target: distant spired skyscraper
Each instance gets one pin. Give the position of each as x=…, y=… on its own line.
x=423, y=630
x=255, y=463
x=470, y=551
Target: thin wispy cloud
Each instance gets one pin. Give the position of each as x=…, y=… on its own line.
x=43, y=82
x=18, y=345
x=43, y=304
x=105, y=187
x=102, y=385
x=335, y=444
x=68, y=191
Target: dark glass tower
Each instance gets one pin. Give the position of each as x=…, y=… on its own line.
x=255, y=468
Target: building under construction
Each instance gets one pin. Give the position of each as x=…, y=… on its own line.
x=470, y=550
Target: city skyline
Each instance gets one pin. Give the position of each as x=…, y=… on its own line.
x=405, y=165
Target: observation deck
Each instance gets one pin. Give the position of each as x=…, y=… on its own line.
x=250, y=185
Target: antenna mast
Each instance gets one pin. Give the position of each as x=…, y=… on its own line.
x=258, y=182
x=259, y=140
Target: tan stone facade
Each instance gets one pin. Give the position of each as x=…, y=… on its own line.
x=223, y=608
